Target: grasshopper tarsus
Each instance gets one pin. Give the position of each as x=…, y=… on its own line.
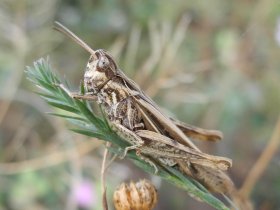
x=127, y=149
x=147, y=160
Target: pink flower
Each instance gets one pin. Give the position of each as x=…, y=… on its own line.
x=84, y=194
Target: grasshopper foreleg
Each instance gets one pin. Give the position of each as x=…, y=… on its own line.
x=87, y=96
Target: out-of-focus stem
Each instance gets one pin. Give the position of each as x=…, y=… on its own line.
x=261, y=164
x=103, y=169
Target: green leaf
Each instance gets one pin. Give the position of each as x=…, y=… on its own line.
x=66, y=96
x=195, y=191
x=88, y=133
x=67, y=116
x=63, y=106
x=89, y=115
x=46, y=96
x=45, y=84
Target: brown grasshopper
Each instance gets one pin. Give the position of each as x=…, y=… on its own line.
x=138, y=120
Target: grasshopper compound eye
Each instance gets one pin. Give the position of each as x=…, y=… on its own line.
x=103, y=62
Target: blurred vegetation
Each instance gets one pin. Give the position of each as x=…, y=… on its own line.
x=212, y=64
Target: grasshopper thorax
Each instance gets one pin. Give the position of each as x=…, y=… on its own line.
x=100, y=69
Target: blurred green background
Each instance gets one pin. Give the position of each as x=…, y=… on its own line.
x=214, y=64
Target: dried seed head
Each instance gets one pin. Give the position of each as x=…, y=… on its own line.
x=137, y=196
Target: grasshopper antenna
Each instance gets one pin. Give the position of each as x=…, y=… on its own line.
x=62, y=29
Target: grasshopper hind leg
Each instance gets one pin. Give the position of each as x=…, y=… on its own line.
x=136, y=143
x=129, y=136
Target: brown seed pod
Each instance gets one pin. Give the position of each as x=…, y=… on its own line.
x=141, y=195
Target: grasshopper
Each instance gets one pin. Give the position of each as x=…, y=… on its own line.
x=138, y=120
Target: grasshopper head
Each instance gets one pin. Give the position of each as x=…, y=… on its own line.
x=100, y=69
